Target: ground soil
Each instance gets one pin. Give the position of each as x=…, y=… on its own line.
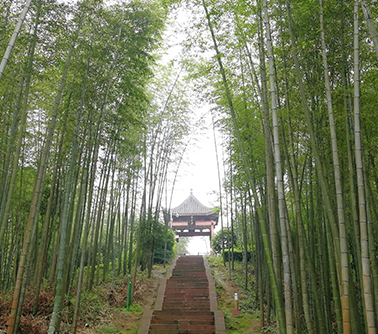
x=102, y=311
x=247, y=322
x=122, y=322
x=106, y=311
x=128, y=322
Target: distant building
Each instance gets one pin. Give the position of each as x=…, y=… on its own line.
x=192, y=218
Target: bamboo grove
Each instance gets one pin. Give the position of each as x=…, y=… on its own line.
x=91, y=127
x=293, y=88
x=88, y=138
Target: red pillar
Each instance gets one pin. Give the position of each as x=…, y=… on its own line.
x=211, y=236
x=211, y=232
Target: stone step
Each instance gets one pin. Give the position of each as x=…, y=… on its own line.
x=184, y=315
x=187, y=307
x=163, y=329
x=162, y=320
x=181, y=291
x=190, y=284
x=190, y=303
x=186, y=303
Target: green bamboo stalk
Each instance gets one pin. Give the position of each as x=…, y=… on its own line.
x=37, y=191
x=66, y=209
x=365, y=261
x=268, y=254
x=13, y=39
x=279, y=177
x=339, y=194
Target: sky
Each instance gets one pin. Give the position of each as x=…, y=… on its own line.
x=198, y=171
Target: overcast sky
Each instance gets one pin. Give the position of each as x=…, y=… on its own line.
x=198, y=170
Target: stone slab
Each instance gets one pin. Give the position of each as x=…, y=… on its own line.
x=220, y=325
x=147, y=313
x=186, y=301
x=170, y=269
x=212, y=291
x=160, y=295
x=145, y=322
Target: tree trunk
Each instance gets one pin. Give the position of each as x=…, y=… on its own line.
x=36, y=194
x=271, y=194
x=13, y=39
x=280, y=187
x=132, y=219
x=339, y=195
x=85, y=238
x=277, y=299
x=67, y=203
x=367, y=285
x=7, y=200
x=370, y=24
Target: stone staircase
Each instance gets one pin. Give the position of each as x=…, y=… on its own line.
x=186, y=305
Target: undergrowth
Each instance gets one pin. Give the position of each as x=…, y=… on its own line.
x=95, y=306
x=248, y=321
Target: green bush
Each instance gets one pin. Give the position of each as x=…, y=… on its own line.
x=223, y=239
x=159, y=244
x=238, y=255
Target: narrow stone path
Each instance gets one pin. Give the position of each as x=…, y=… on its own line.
x=186, y=302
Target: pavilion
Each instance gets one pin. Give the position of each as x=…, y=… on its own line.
x=192, y=218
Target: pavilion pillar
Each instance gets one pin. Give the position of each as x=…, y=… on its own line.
x=211, y=237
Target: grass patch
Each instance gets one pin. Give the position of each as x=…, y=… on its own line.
x=131, y=331
x=239, y=324
x=107, y=329
x=248, y=321
x=136, y=308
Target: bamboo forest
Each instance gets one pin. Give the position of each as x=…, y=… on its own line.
x=96, y=118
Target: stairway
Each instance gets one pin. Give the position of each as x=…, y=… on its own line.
x=186, y=305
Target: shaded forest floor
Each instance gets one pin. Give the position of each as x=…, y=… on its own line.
x=104, y=310
x=101, y=311
x=248, y=321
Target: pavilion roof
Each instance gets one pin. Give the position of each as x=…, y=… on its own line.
x=191, y=206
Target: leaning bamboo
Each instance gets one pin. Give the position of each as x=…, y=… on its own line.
x=268, y=253
x=37, y=192
x=13, y=39
x=279, y=177
x=367, y=285
x=339, y=194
